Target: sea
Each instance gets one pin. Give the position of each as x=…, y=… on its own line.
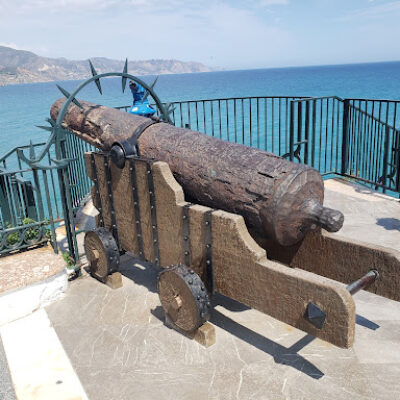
x=25, y=105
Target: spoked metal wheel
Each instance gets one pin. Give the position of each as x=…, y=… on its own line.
x=184, y=297
x=102, y=253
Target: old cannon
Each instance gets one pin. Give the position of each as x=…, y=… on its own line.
x=201, y=209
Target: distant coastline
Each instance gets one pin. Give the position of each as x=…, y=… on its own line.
x=20, y=66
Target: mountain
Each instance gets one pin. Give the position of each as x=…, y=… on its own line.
x=20, y=66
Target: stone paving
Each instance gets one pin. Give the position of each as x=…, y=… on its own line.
x=121, y=349
x=368, y=216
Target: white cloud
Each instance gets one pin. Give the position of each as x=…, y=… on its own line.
x=267, y=3
x=373, y=11
x=12, y=45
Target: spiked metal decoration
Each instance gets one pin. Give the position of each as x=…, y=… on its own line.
x=31, y=150
x=124, y=78
x=315, y=315
x=46, y=128
x=68, y=95
x=96, y=81
x=151, y=87
x=169, y=108
x=55, y=127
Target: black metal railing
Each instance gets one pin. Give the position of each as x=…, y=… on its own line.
x=354, y=138
x=371, y=151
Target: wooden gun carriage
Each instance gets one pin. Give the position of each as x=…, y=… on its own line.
x=203, y=248
x=142, y=210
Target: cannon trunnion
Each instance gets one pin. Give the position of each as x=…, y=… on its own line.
x=203, y=250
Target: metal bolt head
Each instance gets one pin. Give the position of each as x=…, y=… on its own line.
x=207, y=223
x=190, y=281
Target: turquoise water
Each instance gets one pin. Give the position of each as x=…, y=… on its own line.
x=26, y=105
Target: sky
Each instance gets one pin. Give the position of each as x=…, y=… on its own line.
x=228, y=34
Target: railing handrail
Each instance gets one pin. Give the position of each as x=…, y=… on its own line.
x=15, y=149
x=377, y=120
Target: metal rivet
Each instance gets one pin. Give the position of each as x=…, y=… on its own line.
x=208, y=262
x=155, y=240
x=190, y=281
x=185, y=238
x=148, y=171
x=114, y=226
x=130, y=169
x=208, y=246
x=110, y=195
x=154, y=227
x=186, y=253
x=156, y=260
x=191, y=272
x=184, y=217
x=207, y=223
x=151, y=193
x=152, y=207
x=202, y=287
x=138, y=222
x=135, y=203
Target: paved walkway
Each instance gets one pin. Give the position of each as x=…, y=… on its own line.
x=120, y=349
x=369, y=216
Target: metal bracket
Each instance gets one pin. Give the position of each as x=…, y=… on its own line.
x=208, y=244
x=136, y=206
x=96, y=184
x=153, y=213
x=129, y=147
x=114, y=228
x=186, y=234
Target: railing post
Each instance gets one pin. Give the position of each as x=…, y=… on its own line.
x=291, y=131
x=306, y=131
x=385, y=158
x=345, y=137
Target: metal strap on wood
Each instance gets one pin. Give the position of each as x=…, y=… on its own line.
x=186, y=234
x=136, y=205
x=153, y=213
x=114, y=228
x=208, y=244
x=96, y=184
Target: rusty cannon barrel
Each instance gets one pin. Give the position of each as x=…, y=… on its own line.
x=278, y=199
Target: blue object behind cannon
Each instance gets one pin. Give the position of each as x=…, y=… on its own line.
x=141, y=105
